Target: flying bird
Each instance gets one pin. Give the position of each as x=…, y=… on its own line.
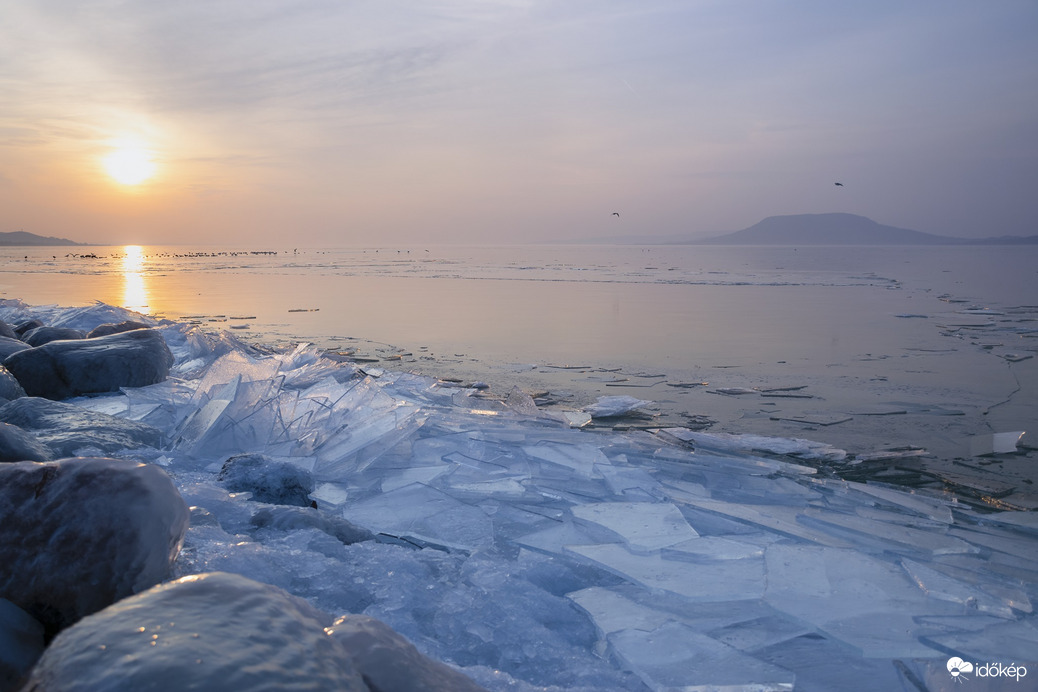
x=616, y=213
x=838, y=184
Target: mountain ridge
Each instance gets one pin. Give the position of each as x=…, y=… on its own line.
x=26, y=239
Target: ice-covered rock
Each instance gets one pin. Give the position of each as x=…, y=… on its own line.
x=387, y=661
x=9, y=387
x=18, y=445
x=77, y=535
x=212, y=631
x=21, y=643
x=296, y=518
x=116, y=328
x=26, y=326
x=44, y=335
x=66, y=428
x=6, y=331
x=278, y=482
x=63, y=369
x=9, y=345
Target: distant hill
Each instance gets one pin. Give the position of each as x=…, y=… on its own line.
x=30, y=239
x=840, y=229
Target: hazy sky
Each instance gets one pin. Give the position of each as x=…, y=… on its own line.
x=330, y=122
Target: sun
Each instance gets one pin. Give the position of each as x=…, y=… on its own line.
x=129, y=165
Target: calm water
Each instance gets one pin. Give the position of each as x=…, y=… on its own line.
x=860, y=324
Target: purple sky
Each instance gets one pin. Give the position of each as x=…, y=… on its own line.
x=337, y=122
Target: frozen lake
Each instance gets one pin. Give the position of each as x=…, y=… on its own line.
x=858, y=330
x=533, y=555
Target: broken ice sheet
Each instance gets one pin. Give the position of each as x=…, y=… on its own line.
x=728, y=580
x=643, y=526
x=997, y=443
x=675, y=657
x=612, y=406
x=936, y=584
x=425, y=513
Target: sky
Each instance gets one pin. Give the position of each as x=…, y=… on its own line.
x=389, y=122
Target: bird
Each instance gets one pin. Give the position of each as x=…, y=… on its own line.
x=838, y=184
x=616, y=213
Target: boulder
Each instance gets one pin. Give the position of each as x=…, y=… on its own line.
x=269, y=480
x=7, y=331
x=44, y=335
x=67, y=428
x=10, y=345
x=294, y=518
x=208, y=632
x=9, y=386
x=21, y=643
x=389, y=662
x=113, y=328
x=63, y=369
x=26, y=326
x=77, y=535
x=18, y=445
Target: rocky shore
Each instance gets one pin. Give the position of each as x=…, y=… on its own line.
x=88, y=546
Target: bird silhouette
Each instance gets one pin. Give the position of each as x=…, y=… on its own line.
x=616, y=213
x=838, y=184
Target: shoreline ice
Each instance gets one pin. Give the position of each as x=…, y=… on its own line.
x=531, y=554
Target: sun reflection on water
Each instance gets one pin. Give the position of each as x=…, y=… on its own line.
x=135, y=291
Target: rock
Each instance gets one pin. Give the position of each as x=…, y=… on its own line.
x=63, y=369
x=9, y=387
x=18, y=445
x=67, y=428
x=269, y=480
x=387, y=661
x=295, y=518
x=21, y=643
x=7, y=331
x=77, y=535
x=9, y=346
x=26, y=326
x=44, y=335
x=207, y=632
x=111, y=328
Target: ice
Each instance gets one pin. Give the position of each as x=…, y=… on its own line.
x=728, y=580
x=533, y=553
x=664, y=657
x=612, y=406
x=644, y=527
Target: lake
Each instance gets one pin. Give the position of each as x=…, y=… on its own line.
x=939, y=336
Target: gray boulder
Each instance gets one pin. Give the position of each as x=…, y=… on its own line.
x=21, y=643
x=208, y=632
x=26, y=326
x=9, y=386
x=269, y=480
x=7, y=330
x=116, y=328
x=77, y=535
x=9, y=345
x=63, y=369
x=18, y=445
x=44, y=335
x=67, y=428
x=294, y=518
x=389, y=662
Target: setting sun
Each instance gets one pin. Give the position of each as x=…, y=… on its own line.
x=129, y=165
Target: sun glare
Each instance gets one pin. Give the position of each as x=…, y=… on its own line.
x=130, y=165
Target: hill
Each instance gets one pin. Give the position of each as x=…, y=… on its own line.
x=824, y=229
x=840, y=229
x=12, y=238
